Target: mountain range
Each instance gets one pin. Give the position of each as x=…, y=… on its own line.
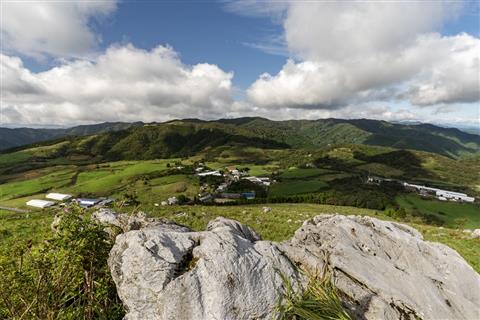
x=185, y=137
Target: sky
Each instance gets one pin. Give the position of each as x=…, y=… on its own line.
x=78, y=62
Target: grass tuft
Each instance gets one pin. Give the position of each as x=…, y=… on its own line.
x=319, y=300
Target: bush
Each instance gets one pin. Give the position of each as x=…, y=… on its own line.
x=65, y=277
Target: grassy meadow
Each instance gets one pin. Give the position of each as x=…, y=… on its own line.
x=330, y=175
x=279, y=224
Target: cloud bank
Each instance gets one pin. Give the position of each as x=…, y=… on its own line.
x=355, y=52
x=40, y=29
x=350, y=59
x=125, y=83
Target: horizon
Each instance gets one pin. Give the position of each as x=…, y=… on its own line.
x=467, y=128
x=161, y=60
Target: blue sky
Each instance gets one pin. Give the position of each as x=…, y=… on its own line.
x=387, y=60
x=201, y=31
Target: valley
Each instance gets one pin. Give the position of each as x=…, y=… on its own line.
x=270, y=178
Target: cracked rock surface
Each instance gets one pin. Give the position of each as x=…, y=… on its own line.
x=223, y=273
x=384, y=270
x=387, y=270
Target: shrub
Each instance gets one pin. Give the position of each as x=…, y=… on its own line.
x=65, y=277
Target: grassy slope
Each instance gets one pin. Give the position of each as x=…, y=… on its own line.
x=277, y=225
x=449, y=212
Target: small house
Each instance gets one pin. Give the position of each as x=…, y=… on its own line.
x=249, y=195
x=210, y=173
x=42, y=204
x=206, y=198
x=58, y=196
x=87, y=202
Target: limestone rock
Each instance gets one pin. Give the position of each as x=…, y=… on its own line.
x=384, y=270
x=226, y=272
x=387, y=270
x=136, y=221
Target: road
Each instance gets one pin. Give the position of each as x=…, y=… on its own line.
x=14, y=209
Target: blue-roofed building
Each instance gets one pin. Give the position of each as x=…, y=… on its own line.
x=249, y=195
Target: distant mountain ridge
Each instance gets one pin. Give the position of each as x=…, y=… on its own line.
x=188, y=136
x=17, y=137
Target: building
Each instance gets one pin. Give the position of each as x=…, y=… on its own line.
x=87, y=202
x=58, y=196
x=229, y=195
x=454, y=196
x=259, y=180
x=440, y=194
x=209, y=173
x=205, y=197
x=249, y=195
x=37, y=203
x=105, y=202
x=222, y=187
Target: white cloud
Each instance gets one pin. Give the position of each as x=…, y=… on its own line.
x=124, y=83
x=51, y=28
x=361, y=51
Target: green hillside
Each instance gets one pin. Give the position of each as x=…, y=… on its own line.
x=187, y=137
x=18, y=137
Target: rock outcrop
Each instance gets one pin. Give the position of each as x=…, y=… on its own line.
x=387, y=270
x=384, y=270
x=226, y=272
x=137, y=221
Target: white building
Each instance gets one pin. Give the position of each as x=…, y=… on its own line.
x=37, y=203
x=58, y=196
x=87, y=202
x=209, y=173
x=440, y=194
x=454, y=196
x=259, y=180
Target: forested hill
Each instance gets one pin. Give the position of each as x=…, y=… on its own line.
x=186, y=137
x=16, y=137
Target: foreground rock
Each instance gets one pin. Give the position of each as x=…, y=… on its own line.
x=384, y=269
x=137, y=221
x=223, y=273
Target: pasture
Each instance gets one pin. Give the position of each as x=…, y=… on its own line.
x=455, y=215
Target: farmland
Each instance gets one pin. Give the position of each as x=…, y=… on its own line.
x=464, y=215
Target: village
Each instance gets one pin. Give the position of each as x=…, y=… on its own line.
x=216, y=184
x=215, y=187
x=424, y=191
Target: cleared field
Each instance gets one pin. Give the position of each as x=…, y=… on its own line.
x=461, y=215
x=105, y=179
x=292, y=187
x=299, y=173
x=47, y=182
x=15, y=157
x=159, y=189
x=380, y=169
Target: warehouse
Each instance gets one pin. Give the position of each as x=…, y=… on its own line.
x=40, y=203
x=58, y=196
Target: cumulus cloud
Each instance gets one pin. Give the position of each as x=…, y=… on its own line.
x=125, y=83
x=51, y=28
x=360, y=51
